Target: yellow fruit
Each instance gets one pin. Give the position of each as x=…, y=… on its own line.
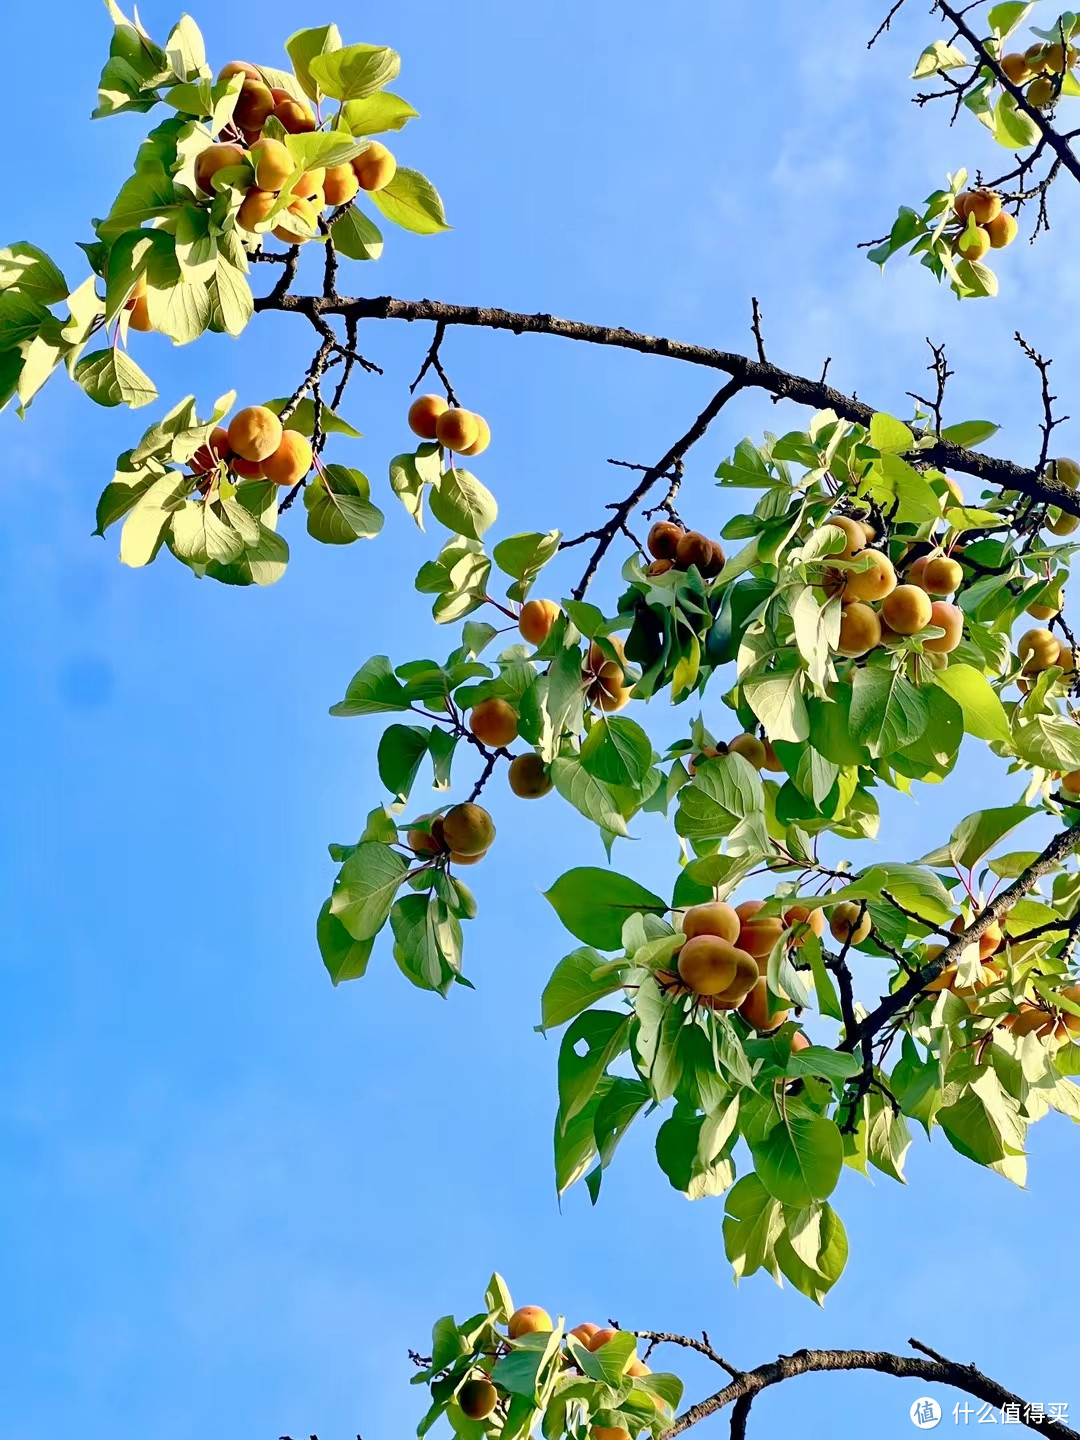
x=477, y=1399
x=214, y=158
x=663, y=540
x=527, y=1320
x=1002, y=230
x=860, y=629
x=1037, y=650
x=139, y=314
x=529, y=777
x=457, y=429
x=715, y=918
x=253, y=105
x=814, y=919
x=297, y=223
x=1041, y=92
x=854, y=535
x=273, y=164
x=535, y=620
x=255, y=208
x=980, y=205
x=340, y=185
x=294, y=116
x=989, y=940
x=239, y=67
x=494, y=722
x=750, y=748
x=950, y=618
x=1016, y=68
x=424, y=415
x=291, y=461
x=942, y=576
x=872, y=584
x=907, y=609
x=973, y=245
x=757, y=1009
x=375, y=167
x=483, y=440
x=707, y=964
x=1065, y=470
x=845, y=925
x=255, y=433
x=1065, y=524
x=468, y=829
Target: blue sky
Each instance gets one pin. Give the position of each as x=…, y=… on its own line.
x=230, y=1196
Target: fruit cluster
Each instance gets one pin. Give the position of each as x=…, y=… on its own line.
x=982, y=224
x=760, y=753
x=1037, y=650
x=273, y=167
x=256, y=447
x=1037, y=67
x=462, y=431
x=479, y=1396
x=675, y=548
x=464, y=835
x=903, y=609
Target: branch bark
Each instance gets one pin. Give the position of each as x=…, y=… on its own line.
x=750, y=373
x=937, y=1370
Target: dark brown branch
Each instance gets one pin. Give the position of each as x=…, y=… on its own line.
x=618, y=521
x=750, y=373
x=433, y=361
x=688, y=1342
x=886, y=24
x=934, y=1369
x=1063, y=844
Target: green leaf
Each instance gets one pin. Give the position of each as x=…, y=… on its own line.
x=753, y=1220
x=887, y=712
x=338, y=508
x=821, y=1061
x=725, y=792
x=890, y=436
x=970, y=433
x=462, y=504
x=235, y=299
x=110, y=377
x=800, y=1159
x=374, y=688
x=427, y=942
x=302, y=48
x=984, y=715
x=520, y=556
x=302, y=419
x=355, y=236
x=411, y=201
x=888, y=1140
x=977, y=834
x=144, y=528
x=365, y=887
x=378, y=113
x=29, y=271
x=575, y=985
x=1004, y=18
x=587, y=794
x=776, y=698
x=594, y=904
x=1012, y=127
x=355, y=71
x=344, y=957
x=617, y=751
x=593, y=1040
x=401, y=750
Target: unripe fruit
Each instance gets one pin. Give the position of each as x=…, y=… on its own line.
x=340, y=185
x=375, y=167
x=291, y=461
x=950, y=618
x=494, y=722
x=693, y=549
x=973, y=245
x=707, y=964
x=216, y=448
x=600, y=1337
x=989, y=940
x=468, y=829
x=942, y=576
x=982, y=205
x=854, y=535
x=757, y=1009
x=457, y=429
x=907, y=609
x=845, y=925
x=1065, y=524
x=715, y=918
x=536, y=619
x=273, y=164
x=860, y=629
x=1037, y=650
x=298, y=223
x=255, y=433
x=295, y=117
x=214, y=158
x=255, y=208
x=1041, y=92
x=1042, y=612
x=1065, y=470
x=813, y=918
x=253, y=105
x=1016, y=68
x=529, y=777
x=872, y=584
x=239, y=67
x=663, y=540
x=750, y=748
x=1002, y=230
x=1067, y=660
x=483, y=439
x=477, y=1399
x=424, y=415
x=456, y=858
x=527, y=1319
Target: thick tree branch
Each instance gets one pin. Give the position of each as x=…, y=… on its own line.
x=1063, y=844
x=934, y=1369
x=750, y=373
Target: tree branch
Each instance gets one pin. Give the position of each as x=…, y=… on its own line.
x=750, y=373
x=937, y=1370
